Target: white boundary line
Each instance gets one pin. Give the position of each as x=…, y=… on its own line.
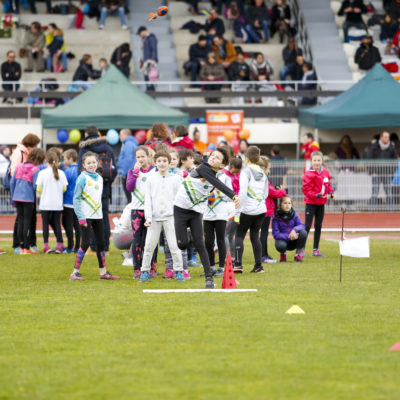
x=197, y=290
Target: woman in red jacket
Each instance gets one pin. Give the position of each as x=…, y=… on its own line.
x=274, y=192
x=316, y=189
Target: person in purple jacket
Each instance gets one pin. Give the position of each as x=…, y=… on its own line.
x=288, y=230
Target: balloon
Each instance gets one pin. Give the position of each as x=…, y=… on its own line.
x=235, y=144
x=211, y=146
x=140, y=136
x=148, y=133
x=62, y=135
x=74, y=135
x=229, y=135
x=244, y=134
x=112, y=137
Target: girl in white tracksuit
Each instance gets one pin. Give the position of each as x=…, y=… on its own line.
x=214, y=221
x=252, y=194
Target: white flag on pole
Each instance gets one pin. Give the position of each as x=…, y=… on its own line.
x=358, y=247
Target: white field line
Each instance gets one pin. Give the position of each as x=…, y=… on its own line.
x=197, y=290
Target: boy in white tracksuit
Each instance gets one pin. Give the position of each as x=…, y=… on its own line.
x=252, y=195
x=214, y=221
x=161, y=189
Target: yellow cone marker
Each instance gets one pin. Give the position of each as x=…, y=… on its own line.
x=295, y=310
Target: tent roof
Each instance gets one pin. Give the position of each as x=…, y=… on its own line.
x=370, y=103
x=112, y=103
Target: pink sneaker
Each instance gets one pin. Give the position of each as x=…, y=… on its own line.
x=76, y=277
x=46, y=249
x=298, y=257
x=186, y=274
x=136, y=274
x=317, y=253
x=109, y=277
x=153, y=273
x=303, y=252
x=283, y=257
x=169, y=274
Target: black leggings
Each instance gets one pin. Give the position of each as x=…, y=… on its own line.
x=319, y=212
x=264, y=236
x=98, y=230
x=252, y=222
x=298, y=244
x=52, y=218
x=70, y=223
x=212, y=228
x=24, y=211
x=188, y=218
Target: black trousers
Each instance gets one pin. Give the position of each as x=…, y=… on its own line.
x=70, y=223
x=212, y=228
x=319, y=212
x=191, y=219
x=252, y=222
x=105, y=201
x=53, y=219
x=298, y=244
x=25, y=211
x=264, y=236
x=95, y=226
x=128, y=194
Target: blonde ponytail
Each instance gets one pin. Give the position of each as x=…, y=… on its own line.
x=52, y=159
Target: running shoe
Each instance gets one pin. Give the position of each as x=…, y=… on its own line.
x=213, y=271
x=194, y=258
x=30, y=251
x=303, y=252
x=67, y=250
x=186, y=274
x=153, y=273
x=17, y=250
x=219, y=272
x=76, y=276
x=268, y=260
x=169, y=274
x=136, y=274
x=35, y=249
x=258, y=270
x=192, y=263
x=317, y=253
x=144, y=277
x=47, y=250
x=283, y=257
x=210, y=283
x=238, y=269
x=298, y=257
x=109, y=276
x=179, y=276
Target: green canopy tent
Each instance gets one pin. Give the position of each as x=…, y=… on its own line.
x=373, y=102
x=113, y=102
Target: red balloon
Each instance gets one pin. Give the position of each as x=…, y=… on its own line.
x=235, y=144
x=140, y=136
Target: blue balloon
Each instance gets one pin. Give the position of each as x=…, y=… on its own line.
x=212, y=146
x=112, y=137
x=62, y=135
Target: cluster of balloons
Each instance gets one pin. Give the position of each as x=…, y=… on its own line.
x=232, y=139
x=74, y=135
x=112, y=137
x=141, y=136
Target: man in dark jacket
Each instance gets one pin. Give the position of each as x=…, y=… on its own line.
x=257, y=17
x=93, y=142
x=367, y=55
x=10, y=71
x=214, y=25
x=150, y=53
x=353, y=10
x=239, y=70
x=289, y=54
x=197, y=56
x=383, y=150
x=308, y=83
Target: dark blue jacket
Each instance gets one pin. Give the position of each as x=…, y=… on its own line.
x=127, y=159
x=150, y=48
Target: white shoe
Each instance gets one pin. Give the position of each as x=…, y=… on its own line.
x=124, y=27
x=128, y=262
x=101, y=26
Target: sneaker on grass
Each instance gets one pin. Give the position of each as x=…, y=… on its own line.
x=258, y=270
x=283, y=257
x=144, y=277
x=76, y=277
x=108, y=276
x=219, y=272
x=179, y=276
x=268, y=260
x=298, y=258
x=169, y=274
x=317, y=253
x=137, y=273
x=210, y=283
x=238, y=269
x=186, y=274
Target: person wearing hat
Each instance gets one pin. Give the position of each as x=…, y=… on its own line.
x=367, y=55
x=197, y=56
x=150, y=53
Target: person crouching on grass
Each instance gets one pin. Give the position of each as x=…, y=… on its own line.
x=189, y=203
x=288, y=230
x=161, y=190
x=87, y=206
x=316, y=189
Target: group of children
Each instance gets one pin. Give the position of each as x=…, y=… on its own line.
x=175, y=194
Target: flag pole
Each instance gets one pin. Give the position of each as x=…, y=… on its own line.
x=343, y=209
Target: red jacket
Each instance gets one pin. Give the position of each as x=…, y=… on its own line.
x=315, y=182
x=273, y=193
x=310, y=148
x=185, y=142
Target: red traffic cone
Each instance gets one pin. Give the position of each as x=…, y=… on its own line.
x=228, y=281
x=395, y=347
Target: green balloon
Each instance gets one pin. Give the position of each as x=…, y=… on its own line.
x=74, y=135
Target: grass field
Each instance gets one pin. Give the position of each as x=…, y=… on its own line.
x=108, y=340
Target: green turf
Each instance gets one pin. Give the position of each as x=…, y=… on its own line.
x=108, y=340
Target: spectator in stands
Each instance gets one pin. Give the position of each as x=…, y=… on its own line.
x=239, y=70
x=289, y=54
x=52, y=29
x=309, y=146
x=393, y=8
x=257, y=18
x=297, y=74
x=158, y=134
x=180, y=138
x=212, y=71
x=197, y=57
x=346, y=149
x=150, y=52
x=126, y=159
x=353, y=10
x=214, y=25
x=121, y=58
x=367, y=55
x=10, y=71
x=5, y=153
x=309, y=76
x=236, y=19
x=112, y=7
x=260, y=69
x=34, y=44
x=394, y=138
x=197, y=143
x=225, y=51
x=85, y=71
x=389, y=27
x=381, y=149
x=55, y=50
x=92, y=9
x=277, y=175
x=280, y=20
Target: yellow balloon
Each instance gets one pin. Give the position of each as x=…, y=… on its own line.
x=74, y=135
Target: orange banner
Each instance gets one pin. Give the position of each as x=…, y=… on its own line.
x=219, y=121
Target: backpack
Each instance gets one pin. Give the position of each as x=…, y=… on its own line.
x=106, y=166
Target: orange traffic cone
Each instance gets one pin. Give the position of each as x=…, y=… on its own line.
x=228, y=281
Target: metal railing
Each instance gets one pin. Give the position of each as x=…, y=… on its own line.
x=360, y=186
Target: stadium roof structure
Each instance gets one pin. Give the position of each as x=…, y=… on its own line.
x=113, y=102
x=373, y=102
